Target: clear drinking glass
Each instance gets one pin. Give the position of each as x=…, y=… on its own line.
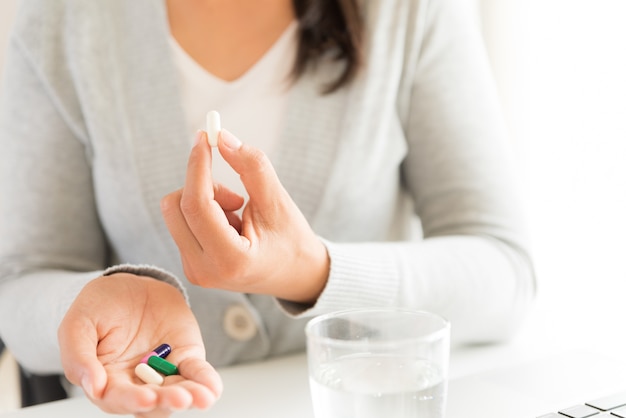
x=373, y=363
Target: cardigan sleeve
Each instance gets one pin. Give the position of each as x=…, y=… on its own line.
x=473, y=265
x=52, y=241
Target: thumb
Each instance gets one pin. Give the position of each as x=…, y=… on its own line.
x=78, y=343
x=253, y=166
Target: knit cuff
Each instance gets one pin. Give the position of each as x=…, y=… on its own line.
x=150, y=271
x=361, y=275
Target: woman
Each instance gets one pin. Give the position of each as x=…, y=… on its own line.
x=382, y=181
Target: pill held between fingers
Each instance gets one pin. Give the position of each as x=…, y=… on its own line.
x=213, y=127
x=148, y=375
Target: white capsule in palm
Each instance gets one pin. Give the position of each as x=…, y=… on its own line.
x=148, y=375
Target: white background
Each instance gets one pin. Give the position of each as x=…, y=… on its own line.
x=561, y=70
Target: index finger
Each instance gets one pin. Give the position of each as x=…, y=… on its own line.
x=199, y=179
x=204, y=215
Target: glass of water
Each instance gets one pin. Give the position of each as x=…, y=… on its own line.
x=373, y=363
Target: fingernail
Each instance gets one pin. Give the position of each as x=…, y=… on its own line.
x=86, y=385
x=199, y=136
x=230, y=140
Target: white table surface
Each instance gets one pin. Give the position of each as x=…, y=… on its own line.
x=273, y=388
x=278, y=388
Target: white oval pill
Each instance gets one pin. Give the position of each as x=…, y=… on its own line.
x=147, y=374
x=213, y=127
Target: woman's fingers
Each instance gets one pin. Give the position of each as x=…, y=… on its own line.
x=203, y=397
x=201, y=212
x=177, y=224
x=123, y=394
x=175, y=397
x=182, y=395
x=198, y=386
x=227, y=199
x=257, y=173
x=199, y=179
x=78, y=341
x=200, y=206
x=200, y=371
x=235, y=221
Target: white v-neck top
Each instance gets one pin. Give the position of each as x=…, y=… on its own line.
x=252, y=106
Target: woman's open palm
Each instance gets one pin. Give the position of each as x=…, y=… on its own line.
x=112, y=324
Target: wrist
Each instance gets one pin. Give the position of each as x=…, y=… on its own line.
x=313, y=269
x=149, y=271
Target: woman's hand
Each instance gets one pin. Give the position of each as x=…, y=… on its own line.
x=116, y=320
x=270, y=250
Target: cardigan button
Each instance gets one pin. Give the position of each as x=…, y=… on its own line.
x=239, y=323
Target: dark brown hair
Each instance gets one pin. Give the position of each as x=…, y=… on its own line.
x=329, y=26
